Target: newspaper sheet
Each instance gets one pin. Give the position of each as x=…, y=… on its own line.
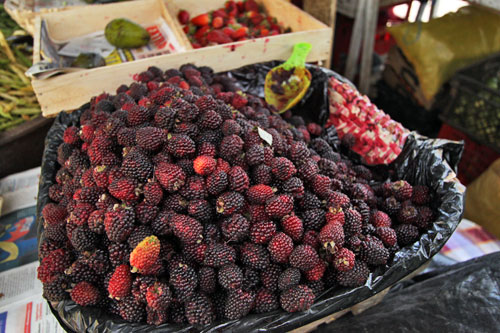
x=22, y=307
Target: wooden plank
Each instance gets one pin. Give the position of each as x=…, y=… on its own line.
x=323, y=10
x=194, y=7
x=371, y=15
x=291, y=16
x=369, y=302
x=69, y=91
x=326, y=320
x=36, y=41
x=355, y=43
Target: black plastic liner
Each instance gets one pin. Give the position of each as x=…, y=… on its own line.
x=422, y=161
x=464, y=297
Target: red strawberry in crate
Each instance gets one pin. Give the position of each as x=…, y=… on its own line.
x=201, y=20
x=231, y=8
x=240, y=5
x=228, y=31
x=239, y=33
x=217, y=36
x=183, y=16
x=219, y=13
x=251, y=5
x=254, y=17
x=217, y=22
x=201, y=32
x=189, y=29
x=232, y=22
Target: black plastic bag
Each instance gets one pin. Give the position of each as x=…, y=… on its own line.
x=422, y=161
x=464, y=297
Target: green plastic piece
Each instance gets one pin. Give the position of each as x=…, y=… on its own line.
x=299, y=56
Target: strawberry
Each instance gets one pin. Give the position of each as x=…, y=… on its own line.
x=228, y=31
x=251, y=5
x=217, y=22
x=231, y=8
x=201, y=32
x=257, y=19
x=183, y=16
x=189, y=29
x=201, y=20
x=241, y=32
x=217, y=36
x=264, y=32
x=241, y=6
x=229, y=4
x=219, y=13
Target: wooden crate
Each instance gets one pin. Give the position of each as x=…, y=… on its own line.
x=67, y=92
x=25, y=16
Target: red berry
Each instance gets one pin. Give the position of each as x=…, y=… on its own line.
x=282, y=168
x=292, y=226
x=280, y=247
x=262, y=232
x=279, y=206
x=297, y=299
x=85, y=294
x=204, y=165
x=304, y=257
x=183, y=16
x=259, y=194
x=120, y=283
x=316, y=273
x=331, y=237
x=229, y=203
x=343, y=260
x=380, y=219
x=170, y=176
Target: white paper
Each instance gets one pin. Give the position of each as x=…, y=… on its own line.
x=19, y=284
x=92, y=43
x=29, y=316
x=20, y=180
x=265, y=136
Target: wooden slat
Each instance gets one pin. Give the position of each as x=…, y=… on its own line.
x=371, y=15
x=325, y=11
x=194, y=7
x=291, y=16
x=355, y=43
x=326, y=320
x=69, y=91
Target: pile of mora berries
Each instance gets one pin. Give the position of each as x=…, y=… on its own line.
x=170, y=207
x=235, y=22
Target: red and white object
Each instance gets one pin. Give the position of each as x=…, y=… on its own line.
x=379, y=139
